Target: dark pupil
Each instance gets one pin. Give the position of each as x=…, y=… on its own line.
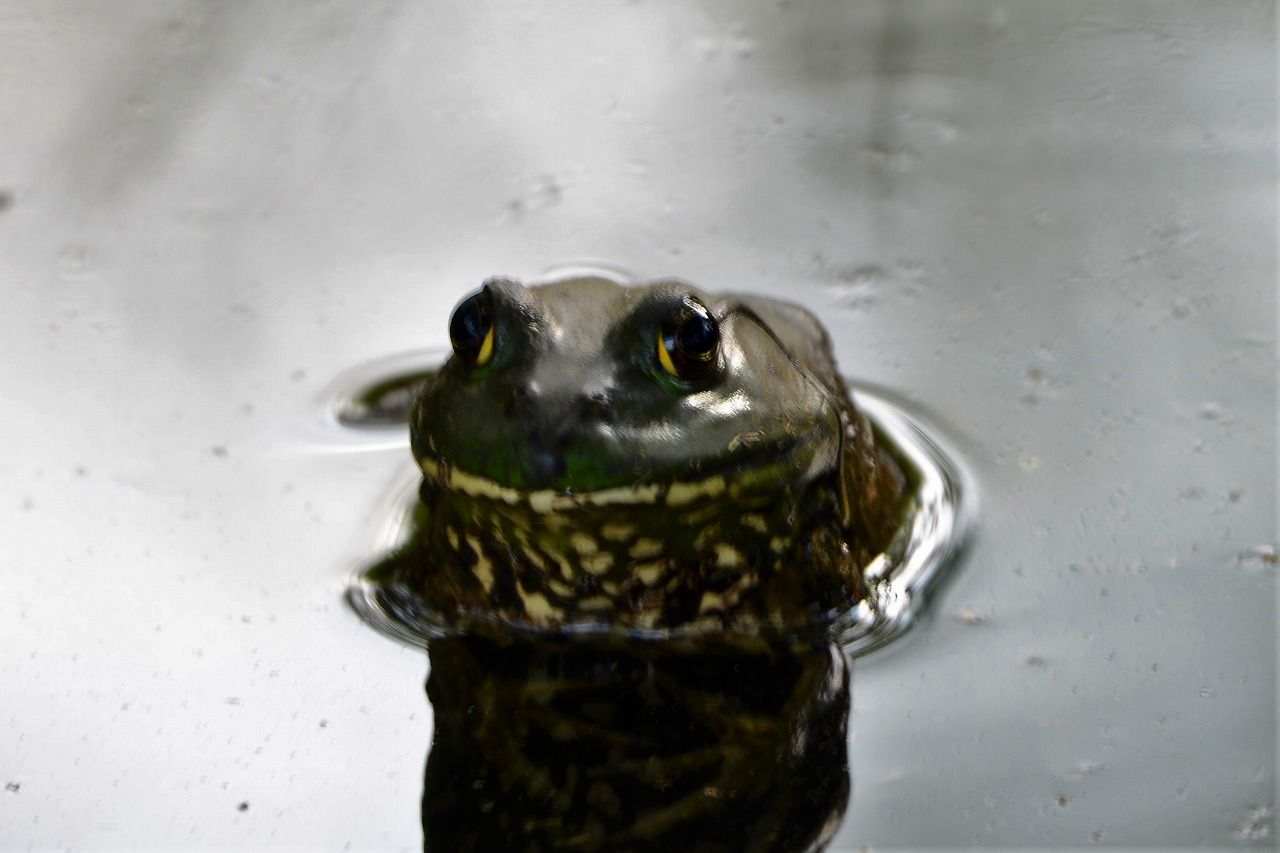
x=470, y=323
x=697, y=337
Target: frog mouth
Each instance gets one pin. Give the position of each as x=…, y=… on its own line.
x=677, y=493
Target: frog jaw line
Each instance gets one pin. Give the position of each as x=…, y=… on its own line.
x=549, y=500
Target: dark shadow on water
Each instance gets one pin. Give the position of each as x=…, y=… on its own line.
x=609, y=746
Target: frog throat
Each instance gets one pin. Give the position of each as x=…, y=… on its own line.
x=550, y=500
x=714, y=562
x=799, y=465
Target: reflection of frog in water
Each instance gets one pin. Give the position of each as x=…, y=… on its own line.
x=641, y=461
x=584, y=747
x=641, y=511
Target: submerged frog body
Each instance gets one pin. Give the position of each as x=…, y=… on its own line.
x=650, y=460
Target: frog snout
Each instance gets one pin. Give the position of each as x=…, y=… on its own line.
x=564, y=421
x=562, y=427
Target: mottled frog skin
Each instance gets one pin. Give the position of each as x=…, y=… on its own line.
x=642, y=461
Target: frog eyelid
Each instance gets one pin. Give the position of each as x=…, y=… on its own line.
x=752, y=317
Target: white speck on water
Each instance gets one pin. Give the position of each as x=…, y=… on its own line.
x=733, y=44
x=1256, y=826
x=78, y=263
x=1259, y=558
x=1083, y=769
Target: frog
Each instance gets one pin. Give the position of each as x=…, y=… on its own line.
x=646, y=460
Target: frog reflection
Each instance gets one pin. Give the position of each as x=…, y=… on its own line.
x=544, y=745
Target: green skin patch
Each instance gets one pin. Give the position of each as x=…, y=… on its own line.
x=573, y=483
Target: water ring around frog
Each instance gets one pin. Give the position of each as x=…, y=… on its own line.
x=364, y=412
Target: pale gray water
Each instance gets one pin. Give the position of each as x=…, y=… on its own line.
x=1052, y=227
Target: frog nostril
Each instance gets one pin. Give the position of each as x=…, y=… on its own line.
x=597, y=406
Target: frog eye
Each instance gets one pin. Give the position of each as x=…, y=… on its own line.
x=689, y=341
x=471, y=328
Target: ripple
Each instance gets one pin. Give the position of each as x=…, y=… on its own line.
x=932, y=538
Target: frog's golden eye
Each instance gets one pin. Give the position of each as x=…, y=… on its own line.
x=471, y=328
x=689, y=341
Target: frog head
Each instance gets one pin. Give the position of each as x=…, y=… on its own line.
x=587, y=392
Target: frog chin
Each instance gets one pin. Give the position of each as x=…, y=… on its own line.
x=804, y=458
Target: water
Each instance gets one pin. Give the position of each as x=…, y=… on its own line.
x=1050, y=228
